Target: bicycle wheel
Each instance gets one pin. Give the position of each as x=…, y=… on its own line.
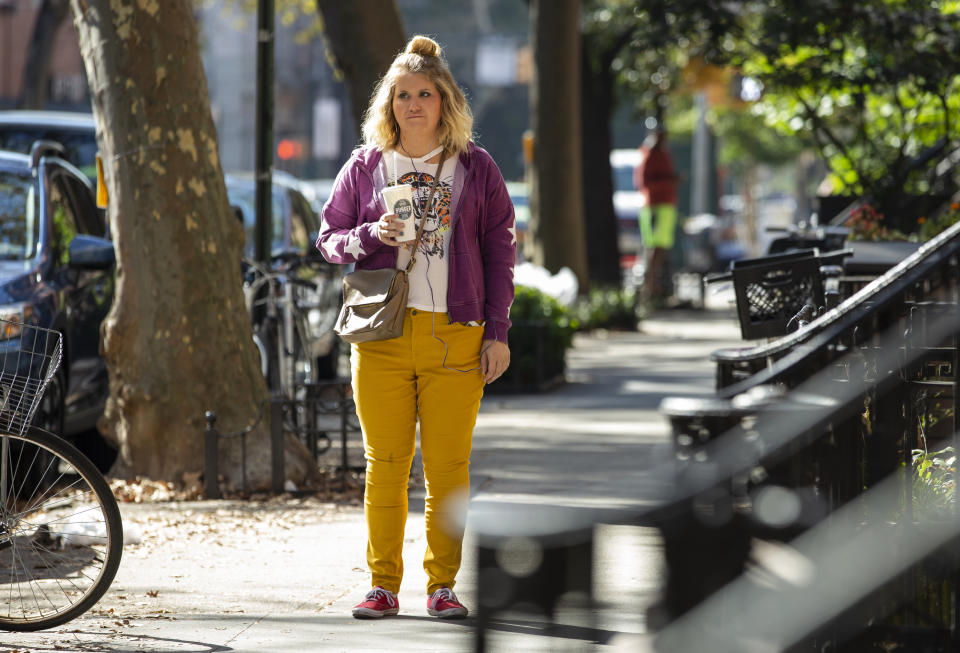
x=61, y=535
x=265, y=336
x=304, y=364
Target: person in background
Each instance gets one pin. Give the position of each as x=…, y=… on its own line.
x=418, y=128
x=656, y=177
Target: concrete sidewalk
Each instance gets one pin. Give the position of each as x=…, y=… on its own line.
x=281, y=575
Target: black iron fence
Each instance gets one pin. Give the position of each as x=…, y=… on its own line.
x=855, y=416
x=810, y=504
x=322, y=411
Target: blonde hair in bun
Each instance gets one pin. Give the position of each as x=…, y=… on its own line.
x=424, y=46
x=422, y=55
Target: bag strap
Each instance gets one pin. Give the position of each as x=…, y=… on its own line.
x=426, y=211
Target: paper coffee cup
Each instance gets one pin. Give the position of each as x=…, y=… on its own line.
x=399, y=200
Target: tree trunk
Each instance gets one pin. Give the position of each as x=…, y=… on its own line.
x=178, y=340
x=36, y=72
x=557, y=224
x=596, y=93
x=363, y=39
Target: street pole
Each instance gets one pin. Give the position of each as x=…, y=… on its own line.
x=264, y=130
x=701, y=140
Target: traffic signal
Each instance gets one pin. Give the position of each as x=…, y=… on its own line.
x=289, y=148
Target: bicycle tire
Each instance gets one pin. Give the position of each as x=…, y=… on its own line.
x=61, y=533
x=328, y=364
x=267, y=333
x=304, y=365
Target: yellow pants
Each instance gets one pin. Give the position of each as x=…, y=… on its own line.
x=396, y=383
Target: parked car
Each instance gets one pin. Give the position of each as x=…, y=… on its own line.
x=295, y=224
x=294, y=227
x=19, y=130
x=317, y=191
x=57, y=269
x=520, y=196
x=627, y=202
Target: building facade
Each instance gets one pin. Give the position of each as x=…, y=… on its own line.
x=67, y=83
x=485, y=41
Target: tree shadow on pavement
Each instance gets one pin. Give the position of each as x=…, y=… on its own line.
x=83, y=641
x=532, y=627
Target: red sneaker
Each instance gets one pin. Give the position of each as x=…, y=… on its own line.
x=377, y=603
x=444, y=604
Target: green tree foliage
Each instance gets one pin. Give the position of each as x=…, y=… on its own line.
x=633, y=51
x=653, y=65
x=746, y=141
x=873, y=82
x=653, y=40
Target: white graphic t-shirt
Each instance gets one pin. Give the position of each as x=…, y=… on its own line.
x=428, y=278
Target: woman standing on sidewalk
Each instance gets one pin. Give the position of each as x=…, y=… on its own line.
x=418, y=128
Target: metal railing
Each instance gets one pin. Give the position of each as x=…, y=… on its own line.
x=808, y=457
x=737, y=368
x=326, y=408
x=825, y=418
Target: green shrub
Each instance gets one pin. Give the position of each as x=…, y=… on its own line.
x=934, y=488
x=608, y=308
x=542, y=333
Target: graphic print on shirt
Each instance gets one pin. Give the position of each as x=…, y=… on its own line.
x=438, y=220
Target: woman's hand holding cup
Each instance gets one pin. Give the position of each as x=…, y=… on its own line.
x=390, y=229
x=397, y=222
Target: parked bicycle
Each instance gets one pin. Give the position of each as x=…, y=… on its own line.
x=61, y=534
x=293, y=304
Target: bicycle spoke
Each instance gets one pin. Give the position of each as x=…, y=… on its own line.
x=66, y=501
x=31, y=554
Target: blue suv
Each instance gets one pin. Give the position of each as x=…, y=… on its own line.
x=57, y=271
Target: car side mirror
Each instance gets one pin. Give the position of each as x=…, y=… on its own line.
x=91, y=253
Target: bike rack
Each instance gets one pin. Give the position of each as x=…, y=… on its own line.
x=331, y=398
x=322, y=398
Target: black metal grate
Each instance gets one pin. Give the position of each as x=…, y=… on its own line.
x=781, y=295
x=771, y=290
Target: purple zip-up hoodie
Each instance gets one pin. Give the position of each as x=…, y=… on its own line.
x=483, y=236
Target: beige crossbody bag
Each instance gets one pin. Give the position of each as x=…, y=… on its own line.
x=375, y=301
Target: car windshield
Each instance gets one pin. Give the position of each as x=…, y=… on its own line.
x=81, y=145
x=243, y=196
x=19, y=219
x=521, y=203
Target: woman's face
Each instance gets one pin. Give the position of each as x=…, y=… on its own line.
x=416, y=105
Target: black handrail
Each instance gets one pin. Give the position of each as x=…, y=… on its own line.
x=869, y=300
x=839, y=401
